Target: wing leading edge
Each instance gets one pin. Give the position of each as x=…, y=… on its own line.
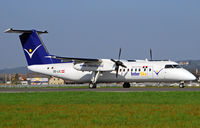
x=76, y=60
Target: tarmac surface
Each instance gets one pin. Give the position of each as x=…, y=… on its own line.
x=137, y=89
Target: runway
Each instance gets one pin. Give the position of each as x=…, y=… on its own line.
x=143, y=89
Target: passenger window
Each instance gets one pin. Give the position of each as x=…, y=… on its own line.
x=128, y=70
x=120, y=70
x=124, y=70
x=144, y=69
x=139, y=70
x=136, y=70
x=131, y=70
x=149, y=69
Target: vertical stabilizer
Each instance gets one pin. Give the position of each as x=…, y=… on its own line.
x=34, y=49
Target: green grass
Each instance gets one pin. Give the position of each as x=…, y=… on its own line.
x=100, y=109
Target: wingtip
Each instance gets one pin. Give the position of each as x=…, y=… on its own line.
x=8, y=30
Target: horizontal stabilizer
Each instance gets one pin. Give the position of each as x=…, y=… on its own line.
x=10, y=30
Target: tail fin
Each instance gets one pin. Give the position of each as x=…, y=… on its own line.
x=34, y=49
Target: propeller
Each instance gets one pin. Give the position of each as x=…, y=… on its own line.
x=118, y=63
x=151, y=58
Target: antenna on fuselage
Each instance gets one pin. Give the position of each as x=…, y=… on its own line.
x=151, y=58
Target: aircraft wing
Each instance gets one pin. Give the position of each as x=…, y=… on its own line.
x=76, y=60
x=88, y=64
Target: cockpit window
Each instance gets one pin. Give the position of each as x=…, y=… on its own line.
x=168, y=66
x=176, y=66
x=172, y=66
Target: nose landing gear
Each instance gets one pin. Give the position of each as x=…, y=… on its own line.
x=181, y=85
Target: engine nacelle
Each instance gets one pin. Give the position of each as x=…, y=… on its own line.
x=105, y=65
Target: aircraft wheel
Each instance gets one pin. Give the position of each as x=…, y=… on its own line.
x=181, y=85
x=126, y=85
x=92, y=85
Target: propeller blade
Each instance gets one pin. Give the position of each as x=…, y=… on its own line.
x=123, y=65
x=117, y=69
x=120, y=50
x=113, y=60
x=151, y=54
x=118, y=63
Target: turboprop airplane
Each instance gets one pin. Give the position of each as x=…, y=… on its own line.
x=93, y=71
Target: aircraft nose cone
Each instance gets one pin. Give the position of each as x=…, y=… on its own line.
x=191, y=77
x=187, y=76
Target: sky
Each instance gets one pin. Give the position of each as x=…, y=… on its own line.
x=98, y=28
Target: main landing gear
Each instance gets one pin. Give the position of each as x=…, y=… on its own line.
x=181, y=85
x=126, y=85
x=94, y=78
x=92, y=85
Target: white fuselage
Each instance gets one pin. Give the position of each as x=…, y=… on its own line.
x=138, y=71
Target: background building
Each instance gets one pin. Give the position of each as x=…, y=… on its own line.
x=56, y=81
x=38, y=81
